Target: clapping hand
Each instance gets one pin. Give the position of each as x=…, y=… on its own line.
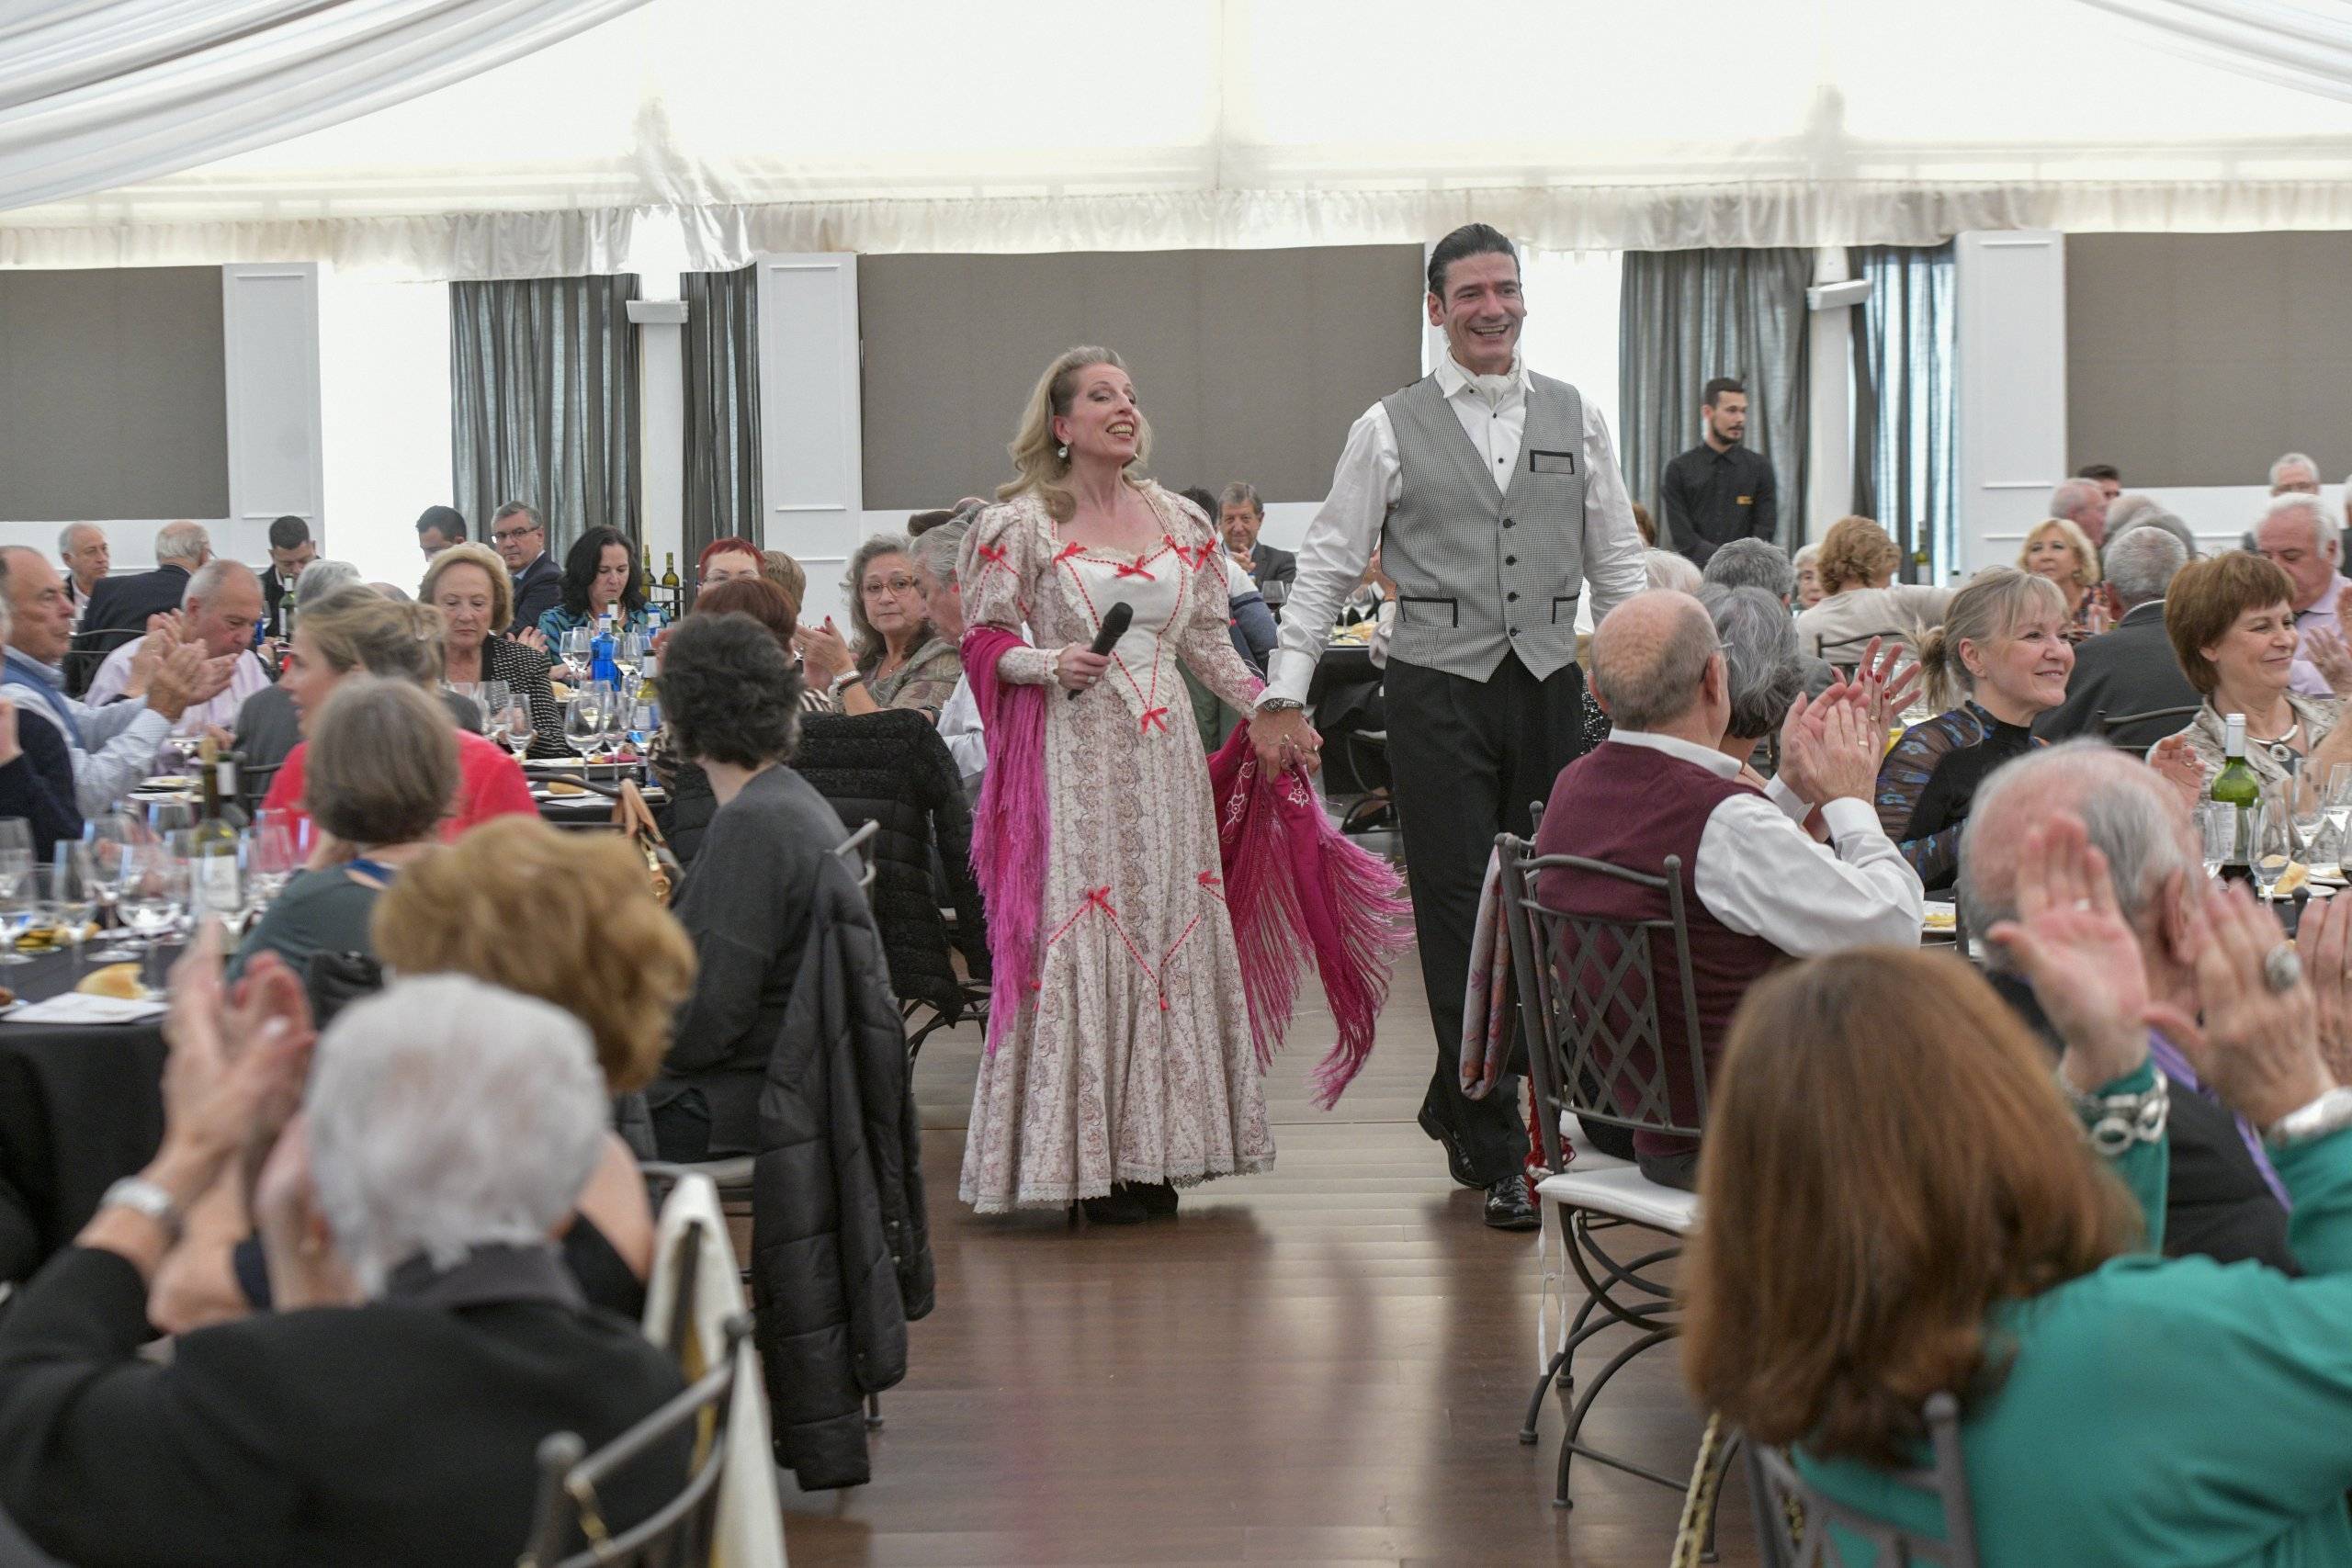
x=1830, y=751
x=232, y=1064
x=2325, y=647
x=2074, y=946
x=822, y=650
x=2258, y=1045
x=2324, y=943
x=1881, y=685
x=2179, y=766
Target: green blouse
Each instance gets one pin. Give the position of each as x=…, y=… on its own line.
x=2165, y=1410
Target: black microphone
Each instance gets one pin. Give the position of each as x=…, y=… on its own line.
x=1116, y=621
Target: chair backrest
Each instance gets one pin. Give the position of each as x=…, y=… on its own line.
x=2112, y=723
x=1798, y=1525
x=681, y=1532
x=857, y=849
x=1588, y=1000
x=1845, y=652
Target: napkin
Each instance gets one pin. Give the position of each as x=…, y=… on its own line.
x=76, y=1007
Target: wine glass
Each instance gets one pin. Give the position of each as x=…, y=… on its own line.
x=644, y=724
x=2335, y=808
x=491, y=696
x=270, y=862
x=69, y=895
x=521, y=726
x=617, y=709
x=2305, y=792
x=16, y=834
x=584, y=721
x=2217, y=830
x=2274, y=839
x=628, y=656
x=19, y=902
x=110, y=840
x=579, y=652
x=152, y=895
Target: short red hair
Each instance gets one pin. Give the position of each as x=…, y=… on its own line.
x=728, y=546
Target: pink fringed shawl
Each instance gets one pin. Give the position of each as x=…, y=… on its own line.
x=1288, y=873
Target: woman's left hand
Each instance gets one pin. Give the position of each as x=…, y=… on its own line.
x=532, y=638
x=2075, y=947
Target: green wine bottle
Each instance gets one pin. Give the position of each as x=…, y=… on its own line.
x=2236, y=785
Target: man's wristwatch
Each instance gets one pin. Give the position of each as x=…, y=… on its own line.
x=2331, y=1113
x=141, y=1196
x=1281, y=705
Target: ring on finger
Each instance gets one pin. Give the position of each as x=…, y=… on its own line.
x=2282, y=968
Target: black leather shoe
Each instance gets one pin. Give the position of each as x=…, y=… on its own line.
x=1457, y=1163
x=1509, y=1208
x=1120, y=1206
x=1158, y=1198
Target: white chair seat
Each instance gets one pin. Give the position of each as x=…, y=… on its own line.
x=1625, y=1193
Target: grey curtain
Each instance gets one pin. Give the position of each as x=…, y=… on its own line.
x=1903, y=473
x=1686, y=317
x=544, y=402
x=722, y=407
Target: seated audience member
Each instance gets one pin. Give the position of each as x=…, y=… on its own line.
x=445, y=1130
x=1859, y=598
x=1759, y=563
x=1808, y=577
x=2056, y=550
x=37, y=777
x=2130, y=512
x=692, y=804
x=382, y=770
x=2082, y=502
x=1644, y=526
x=83, y=552
x=724, y=560
x=1756, y=887
x=355, y=630
x=2232, y=627
x=267, y=726
x=1881, y=1117
x=535, y=582
x=2221, y=1200
x=469, y=586
x=218, y=611
x=1250, y=622
x=438, y=527
x=1668, y=568
x=2294, y=474
x=936, y=556
x=1760, y=660
x=2295, y=537
x=110, y=748
x=291, y=551
x=1240, y=516
x=120, y=607
x=898, y=660
x=785, y=573
x=1999, y=662
x=601, y=577
x=733, y=705
x=2130, y=670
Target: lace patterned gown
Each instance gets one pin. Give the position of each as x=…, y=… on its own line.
x=1132, y=1060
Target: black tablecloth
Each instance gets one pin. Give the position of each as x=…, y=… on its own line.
x=79, y=1106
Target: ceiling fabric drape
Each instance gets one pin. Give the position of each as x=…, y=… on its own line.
x=1035, y=125
x=2307, y=48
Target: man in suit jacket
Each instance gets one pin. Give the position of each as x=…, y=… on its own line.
x=2132, y=668
x=520, y=537
x=437, y=1387
x=290, y=549
x=1240, y=516
x=119, y=606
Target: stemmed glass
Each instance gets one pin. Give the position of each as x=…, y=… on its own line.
x=2306, y=796
x=583, y=720
x=270, y=861
x=110, y=839
x=579, y=652
x=69, y=895
x=629, y=656
x=2274, y=839
x=2335, y=810
x=492, y=698
x=19, y=902
x=618, y=706
x=153, y=896
x=521, y=726
x=2217, y=829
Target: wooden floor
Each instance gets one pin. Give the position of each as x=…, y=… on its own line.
x=1325, y=1364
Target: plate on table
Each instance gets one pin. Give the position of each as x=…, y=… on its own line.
x=1939, y=919
x=164, y=783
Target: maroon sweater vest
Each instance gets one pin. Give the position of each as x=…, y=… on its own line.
x=1632, y=807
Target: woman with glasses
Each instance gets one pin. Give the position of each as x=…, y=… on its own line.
x=898, y=660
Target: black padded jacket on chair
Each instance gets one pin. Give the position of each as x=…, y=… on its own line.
x=892, y=768
x=841, y=1247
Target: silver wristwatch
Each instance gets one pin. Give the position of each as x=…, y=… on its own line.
x=2330, y=1112
x=141, y=1196
x=1281, y=705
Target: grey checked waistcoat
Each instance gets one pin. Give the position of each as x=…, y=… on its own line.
x=1483, y=569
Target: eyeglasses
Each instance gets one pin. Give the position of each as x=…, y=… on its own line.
x=508, y=535
x=895, y=585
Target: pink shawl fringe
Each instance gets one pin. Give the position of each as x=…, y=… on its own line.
x=1288, y=873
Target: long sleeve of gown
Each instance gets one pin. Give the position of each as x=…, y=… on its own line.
x=1204, y=641
x=1001, y=568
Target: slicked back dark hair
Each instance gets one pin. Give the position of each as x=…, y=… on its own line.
x=289, y=532
x=1470, y=239
x=1713, y=392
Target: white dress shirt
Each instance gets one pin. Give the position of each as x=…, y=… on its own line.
x=247, y=677
x=960, y=726
x=1762, y=875
x=1371, y=475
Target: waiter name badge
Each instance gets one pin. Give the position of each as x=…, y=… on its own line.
x=1539, y=462
x=1748, y=501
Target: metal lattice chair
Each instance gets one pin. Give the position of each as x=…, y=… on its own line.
x=1798, y=1525
x=1596, y=1053
x=683, y=1532
x=2112, y=723
x=1844, y=653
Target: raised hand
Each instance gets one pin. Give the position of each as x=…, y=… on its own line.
x=2257, y=1047
x=2072, y=944
x=2179, y=766
x=2324, y=943
x=2325, y=649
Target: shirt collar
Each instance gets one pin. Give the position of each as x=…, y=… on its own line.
x=49, y=675
x=1495, y=391
x=1706, y=757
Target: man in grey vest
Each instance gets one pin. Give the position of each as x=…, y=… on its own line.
x=1494, y=496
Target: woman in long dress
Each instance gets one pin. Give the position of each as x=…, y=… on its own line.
x=1127, y=1067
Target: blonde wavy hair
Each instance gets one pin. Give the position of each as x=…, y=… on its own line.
x=1040, y=469
x=358, y=628
x=501, y=582
x=2078, y=544
x=507, y=903
x=1855, y=553
x=1995, y=603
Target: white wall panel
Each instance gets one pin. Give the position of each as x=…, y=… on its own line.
x=2009, y=292
x=811, y=455
x=270, y=338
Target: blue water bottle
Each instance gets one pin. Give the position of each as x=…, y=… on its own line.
x=600, y=653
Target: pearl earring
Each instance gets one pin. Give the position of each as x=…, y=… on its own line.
x=1062, y=451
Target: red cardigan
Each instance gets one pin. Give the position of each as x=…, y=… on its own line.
x=490, y=783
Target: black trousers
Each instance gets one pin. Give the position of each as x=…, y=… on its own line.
x=1467, y=758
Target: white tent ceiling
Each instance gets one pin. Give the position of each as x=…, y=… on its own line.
x=894, y=125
